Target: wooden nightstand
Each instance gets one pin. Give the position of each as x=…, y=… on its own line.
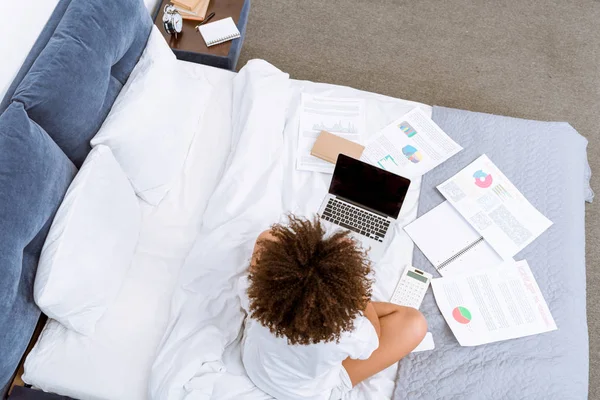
x=189, y=45
x=23, y=393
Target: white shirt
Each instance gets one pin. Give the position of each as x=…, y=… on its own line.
x=292, y=372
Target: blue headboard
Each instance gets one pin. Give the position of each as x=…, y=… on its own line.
x=35, y=51
x=66, y=88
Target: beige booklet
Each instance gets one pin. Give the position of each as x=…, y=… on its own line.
x=329, y=146
x=343, y=116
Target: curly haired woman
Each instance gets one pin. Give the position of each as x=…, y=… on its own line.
x=312, y=331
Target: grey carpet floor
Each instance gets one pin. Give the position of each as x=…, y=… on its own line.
x=529, y=59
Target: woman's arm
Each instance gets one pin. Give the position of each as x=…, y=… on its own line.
x=371, y=315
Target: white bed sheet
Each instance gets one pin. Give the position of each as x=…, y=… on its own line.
x=115, y=362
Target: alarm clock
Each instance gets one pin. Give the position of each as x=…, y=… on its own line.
x=172, y=20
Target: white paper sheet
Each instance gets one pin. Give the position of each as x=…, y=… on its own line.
x=410, y=146
x=501, y=303
x=494, y=207
x=343, y=117
x=426, y=344
x=450, y=243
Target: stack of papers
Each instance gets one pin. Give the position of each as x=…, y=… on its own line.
x=484, y=295
x=410, y=146
x=485, y=221
x=494, y=207
x=471, y=239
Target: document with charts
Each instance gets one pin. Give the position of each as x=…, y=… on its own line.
x=410, y=146
x=345, y=117
x=494, y=207
x=501, y=303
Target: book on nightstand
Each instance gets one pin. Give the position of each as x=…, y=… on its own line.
x=192, y=9
x=186, y=4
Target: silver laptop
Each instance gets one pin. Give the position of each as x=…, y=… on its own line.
x=366, y=200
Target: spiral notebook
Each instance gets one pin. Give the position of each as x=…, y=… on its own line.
x=219, y=31
x=451, y=244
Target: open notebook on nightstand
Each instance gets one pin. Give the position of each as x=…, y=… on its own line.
x=219, y=31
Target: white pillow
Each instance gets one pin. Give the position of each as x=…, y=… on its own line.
x=153, y=121
x=90, y=245
x=157, y=49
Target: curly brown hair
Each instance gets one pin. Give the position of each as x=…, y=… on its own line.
x=307, y=287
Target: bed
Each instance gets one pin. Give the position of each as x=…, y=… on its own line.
x=152, y=341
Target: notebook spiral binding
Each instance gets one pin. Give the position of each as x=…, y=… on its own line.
x=460, y=253
x=223, y=39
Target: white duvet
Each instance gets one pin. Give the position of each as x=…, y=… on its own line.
x=144, y=347
x=199, y=357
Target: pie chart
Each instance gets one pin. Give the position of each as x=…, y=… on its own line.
x=482, y=179
x=412, y=154
x=462, y=315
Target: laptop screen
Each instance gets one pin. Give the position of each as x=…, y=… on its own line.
x=368, y=186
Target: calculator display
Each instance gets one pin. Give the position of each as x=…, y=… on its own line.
x=417, y=276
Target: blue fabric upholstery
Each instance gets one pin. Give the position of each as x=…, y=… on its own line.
x=74, y=81
x=34, y=176
x=35, y=51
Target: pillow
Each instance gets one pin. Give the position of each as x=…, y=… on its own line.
x=153, y=121
x=157, y=49
x=73, y=82
x=90, y=245
x=34, y=176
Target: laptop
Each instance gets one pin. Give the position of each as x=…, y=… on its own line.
x=365, y=200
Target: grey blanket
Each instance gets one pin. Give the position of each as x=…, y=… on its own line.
x=547, y=162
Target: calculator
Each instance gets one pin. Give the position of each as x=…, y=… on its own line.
x=411, y=288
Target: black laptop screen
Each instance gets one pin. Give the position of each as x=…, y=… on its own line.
x=368, y=186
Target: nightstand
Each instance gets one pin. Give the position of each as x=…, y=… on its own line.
x=189, y=45
x=23, y=393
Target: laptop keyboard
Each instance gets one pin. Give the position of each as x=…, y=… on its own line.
x=355, y=219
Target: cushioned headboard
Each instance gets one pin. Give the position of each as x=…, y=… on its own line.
x=35, y=51
x=72, y=83
x=63, y=93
